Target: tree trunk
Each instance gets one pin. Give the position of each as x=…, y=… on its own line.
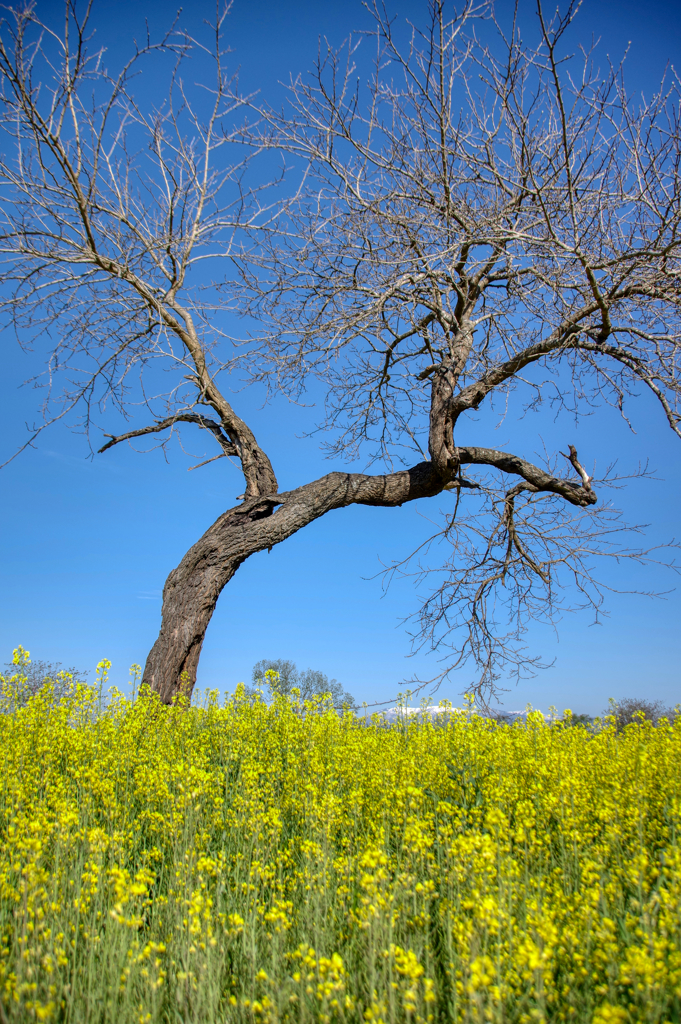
x=192, y=589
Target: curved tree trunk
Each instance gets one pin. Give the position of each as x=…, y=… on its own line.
x=192, y=589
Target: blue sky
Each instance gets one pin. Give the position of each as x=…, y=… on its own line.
x=87, y=544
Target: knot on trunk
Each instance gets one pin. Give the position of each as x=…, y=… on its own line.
x=258, y=508
x=447, y=464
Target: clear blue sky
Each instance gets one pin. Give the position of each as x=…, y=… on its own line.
x=85, y=545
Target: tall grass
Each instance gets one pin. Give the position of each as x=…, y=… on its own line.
x=253, y=863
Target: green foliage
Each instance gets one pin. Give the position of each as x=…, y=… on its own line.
x=585, y=720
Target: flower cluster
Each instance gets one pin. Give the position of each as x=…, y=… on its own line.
x=253, y=862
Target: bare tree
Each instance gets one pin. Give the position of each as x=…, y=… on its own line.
x=638, y=709
x=37, y=675
x=479, y=207
x=309, y=683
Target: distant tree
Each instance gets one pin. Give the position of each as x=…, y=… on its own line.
x=34, y=675
x=310, y=682
x=286, y=670
x=634, y=709
x=580, y=720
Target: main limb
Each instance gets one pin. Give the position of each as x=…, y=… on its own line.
x=192, y=589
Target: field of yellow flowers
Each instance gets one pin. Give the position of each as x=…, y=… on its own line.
x=259, y=863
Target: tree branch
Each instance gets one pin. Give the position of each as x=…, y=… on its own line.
x=421, y=481
x=228, y=448
x=577, y=494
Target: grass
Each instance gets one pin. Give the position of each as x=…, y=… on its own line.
x=260, y=863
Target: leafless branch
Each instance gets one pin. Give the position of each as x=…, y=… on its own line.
x=511, y=560
x=477, y=208
x=98, y=244
x=183, y=417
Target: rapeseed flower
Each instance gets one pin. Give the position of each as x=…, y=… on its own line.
x=283, y=863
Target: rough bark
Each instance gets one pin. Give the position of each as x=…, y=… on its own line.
x=192, y=589
x=440, y=435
